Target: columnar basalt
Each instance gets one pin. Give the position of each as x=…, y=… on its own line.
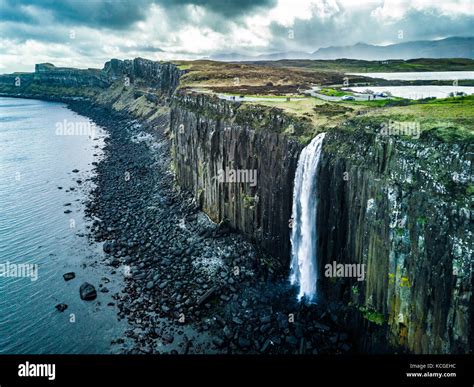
x=400, y=207
x=209, y=137
x=393, y=205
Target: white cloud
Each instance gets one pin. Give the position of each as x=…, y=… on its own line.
x=394, y=10
x=193, y=31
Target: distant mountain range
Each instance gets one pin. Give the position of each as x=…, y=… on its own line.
x=453, y=47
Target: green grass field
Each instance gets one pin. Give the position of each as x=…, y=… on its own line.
x=361, y=66
x=333, y=92
x=450, y=119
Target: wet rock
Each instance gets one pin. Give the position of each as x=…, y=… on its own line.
x=218, y=342
x=266, y=346
x=321, y=327
x=206, y=296
x=163, y=285
x=168, y=338
x=107, y=247
x=237, y=321
x=265, y=328
x=276, y=340
x=265, y=319
x=61, y=307
x=228, y=332
x=69, y=276
x=87, y=292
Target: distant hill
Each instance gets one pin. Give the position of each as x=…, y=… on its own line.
x=453, y=47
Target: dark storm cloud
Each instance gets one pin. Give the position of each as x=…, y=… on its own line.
x=117, y=14
x=33, y=31
x=228, y=8
x=103, y=13
x=11, y=11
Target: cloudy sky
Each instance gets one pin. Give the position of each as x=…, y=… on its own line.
x=86, y=33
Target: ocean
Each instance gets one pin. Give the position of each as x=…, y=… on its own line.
x=41, y=144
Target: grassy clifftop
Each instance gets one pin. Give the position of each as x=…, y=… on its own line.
x=279, y=86
x=250, y=78
x=447, y=120
x=359, y=66
x=275, y=90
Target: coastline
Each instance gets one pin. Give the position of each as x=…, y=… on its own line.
x=191, y=286
x=46, y=181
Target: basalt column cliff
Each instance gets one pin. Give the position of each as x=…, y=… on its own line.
x=402, y=207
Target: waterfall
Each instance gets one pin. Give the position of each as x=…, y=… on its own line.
x=303, y=269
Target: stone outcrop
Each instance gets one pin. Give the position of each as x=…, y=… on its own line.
x=404, y=210
x=48, y=79
x=209, y=138
x=385, y=202
x=164, y=76
x=69, y=77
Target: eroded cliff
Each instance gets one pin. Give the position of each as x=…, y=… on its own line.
x=210, y=137
x=402, y=207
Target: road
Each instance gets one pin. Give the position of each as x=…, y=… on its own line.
x=357, y=96
x=313, y=92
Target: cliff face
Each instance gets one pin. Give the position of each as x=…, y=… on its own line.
x=402, y=208
x=61, y=83
x=69, y=77
x=211, y=139
x=164, y=76
x=388, y=203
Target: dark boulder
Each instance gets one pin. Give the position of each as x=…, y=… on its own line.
x=107, y=247
x=69, y=276
x=61, y=307
x=206, y=296
x=87, y=292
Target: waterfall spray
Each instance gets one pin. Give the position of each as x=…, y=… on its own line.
x=303, y=269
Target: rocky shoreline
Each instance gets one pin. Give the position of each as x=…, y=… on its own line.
x=191, y=286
